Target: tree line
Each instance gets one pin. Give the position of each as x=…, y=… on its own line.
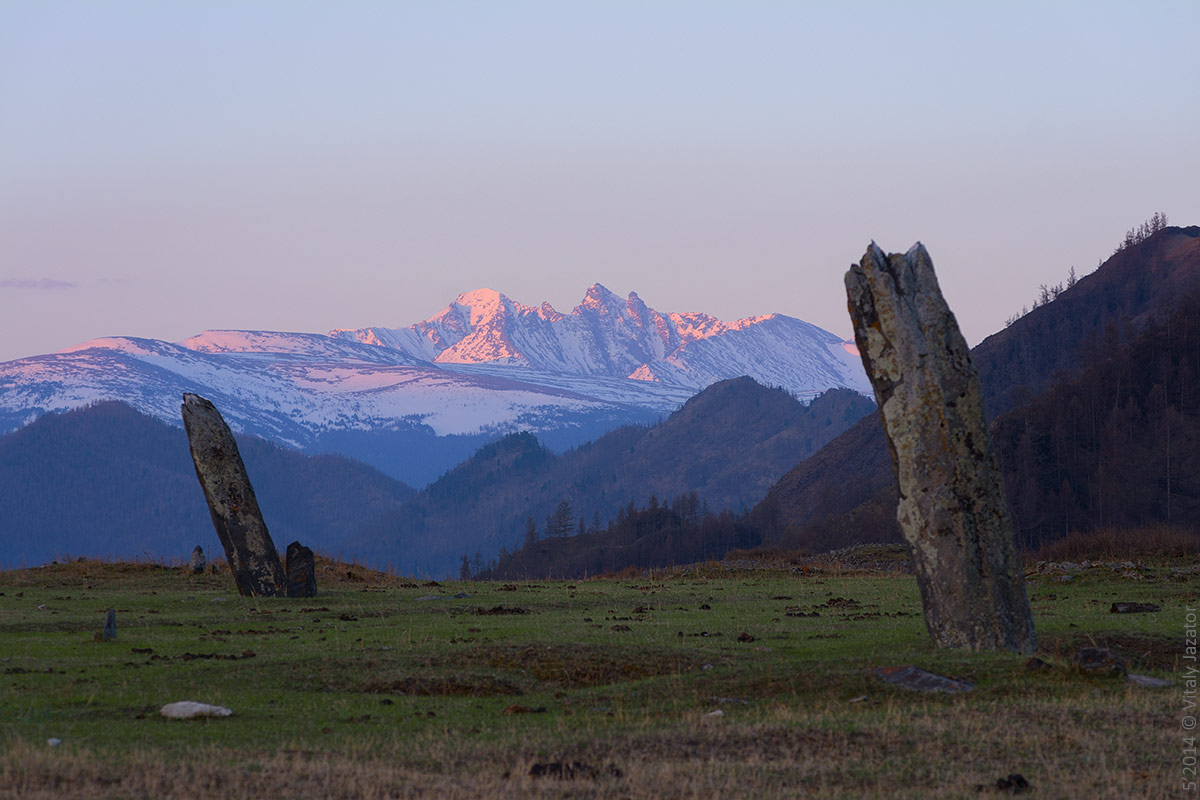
x=655, y=535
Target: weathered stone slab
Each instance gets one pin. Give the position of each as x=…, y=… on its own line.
x=301, y=571
x=919, y=680
x=197, y=563
x=110, y=624
x=231, y=501
x=952, y=508
x=1133, y=608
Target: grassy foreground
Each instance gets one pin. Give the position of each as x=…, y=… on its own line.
x=709, y=681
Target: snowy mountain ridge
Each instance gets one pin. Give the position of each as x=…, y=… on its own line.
x=624, y=338
x=482, y=367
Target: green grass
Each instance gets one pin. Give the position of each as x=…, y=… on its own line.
x=373, y=690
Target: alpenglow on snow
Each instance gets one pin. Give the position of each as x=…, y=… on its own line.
x=482, y=367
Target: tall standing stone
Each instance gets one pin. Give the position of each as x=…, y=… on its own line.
x=301, y=571
x=952, y=506
x=235, y=514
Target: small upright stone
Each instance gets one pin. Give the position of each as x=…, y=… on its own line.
x=231, y=502
x=197, y=562
x=110, y=625
x=301, y=571
x=952, y=507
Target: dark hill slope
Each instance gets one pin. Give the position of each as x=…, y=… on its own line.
x=727, y=444
x=109, y=481
x=1134, y=285
x=846, y=492
x=1118, y=445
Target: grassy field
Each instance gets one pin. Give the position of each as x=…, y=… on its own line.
x=710, y=681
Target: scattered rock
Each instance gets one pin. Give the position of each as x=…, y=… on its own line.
x=620, y=628
x=516, y=708
x=952, y=510
x=189, y=709
x=1013, y=784
x=1035, y=664
x=54, y=741
x=1133, y=608
x=564, y=771
x=714, y=714
x=231, y=502
x=301, y=571
x=917, y=679
x=745, y=637
x=1148, y=681
x=197, y=563
x=461, y=596
x=110, y=625
x=1099, y=661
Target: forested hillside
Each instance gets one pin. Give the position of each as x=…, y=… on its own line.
x=1118, y=445
x=726, y=445
x=657, y=535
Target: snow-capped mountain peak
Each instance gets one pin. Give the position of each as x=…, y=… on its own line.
x=598, y=298
x=607, y=335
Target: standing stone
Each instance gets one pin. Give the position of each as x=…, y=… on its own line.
x=952, y=507
x=197, y=562
x=110, y=624
x=231, y=502
x=301, y=571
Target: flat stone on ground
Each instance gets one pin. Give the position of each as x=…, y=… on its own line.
x=919, y=680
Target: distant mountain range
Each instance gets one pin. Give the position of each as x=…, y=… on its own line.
x=415, y=401
x=1093, y=396
x=725, y=447
x=107, y=480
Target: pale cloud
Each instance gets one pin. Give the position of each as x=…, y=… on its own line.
x=44, y=284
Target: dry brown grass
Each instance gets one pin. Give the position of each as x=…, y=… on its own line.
x=889, y=751
x=1111, y=544
x=331, y=573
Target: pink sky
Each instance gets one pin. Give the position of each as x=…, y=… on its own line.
x=166, y=168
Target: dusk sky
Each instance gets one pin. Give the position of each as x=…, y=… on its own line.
x=171, y=167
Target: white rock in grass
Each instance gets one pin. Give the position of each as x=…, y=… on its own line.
x=1147, y=681
x=54, y=741
x=189, y=709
